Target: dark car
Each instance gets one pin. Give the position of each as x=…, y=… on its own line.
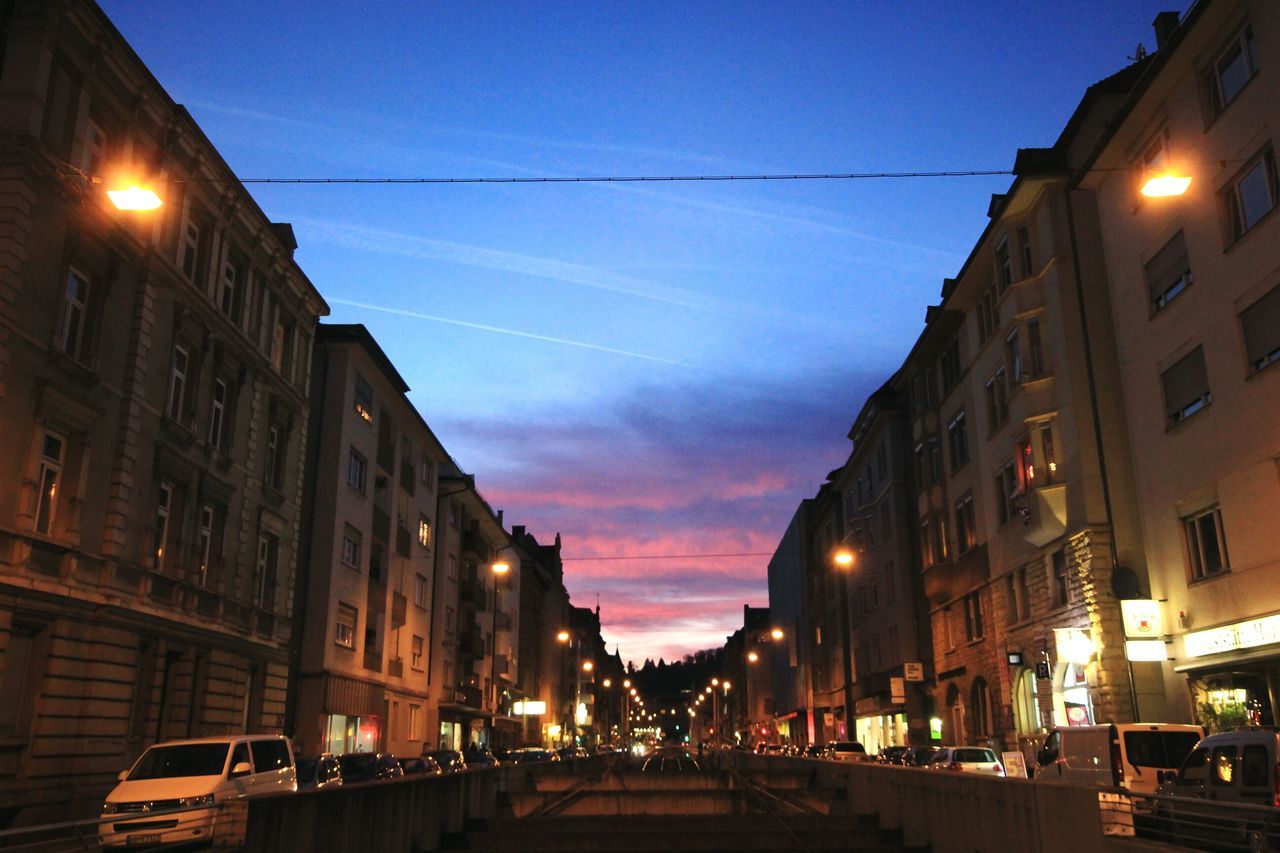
x=424, y=766
x=450, y=760
x=369, y=767
x=572, y=753
x=918, y=756
x=323, y=771
x=816, y=750
x=891, y=755
x=481, y=758
x=531, y=754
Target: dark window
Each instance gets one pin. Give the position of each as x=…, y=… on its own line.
x=1261, y=323
x=1234, y=67
x=951, y=365
x=75, y=309
x=1059, y=581
x=1159, y=749
x=1254, y=767
x=1168, y=273
x=966, y=532
x=973, y=616
x=1206, y=544
x=1186, y=387
x=958, y=441
x=1004, y=266
x=1024, y=247
x=1035, y=350
x=1251, y=195
x=269, y=755
x=1006, y=492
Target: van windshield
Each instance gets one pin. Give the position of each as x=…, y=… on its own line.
x=171, y=762
x=1159, y=749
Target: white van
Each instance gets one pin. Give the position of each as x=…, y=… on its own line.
x=1117, y=755
x=178, y=791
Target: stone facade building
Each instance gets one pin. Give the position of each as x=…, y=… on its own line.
x=154, y=374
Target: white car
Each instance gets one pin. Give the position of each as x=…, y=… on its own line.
x=179, y=791
x=967, y=759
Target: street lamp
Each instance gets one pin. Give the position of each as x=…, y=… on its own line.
x=844, y=560
x=500, y=569
x=1166, y=185
x=134, y=197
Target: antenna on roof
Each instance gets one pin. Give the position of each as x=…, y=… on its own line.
x=1139, y=53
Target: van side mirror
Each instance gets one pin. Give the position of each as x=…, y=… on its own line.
x=242, y=768
x=1044, y=757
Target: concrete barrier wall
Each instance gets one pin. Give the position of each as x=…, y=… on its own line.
x=956, y=811
x=401, y=816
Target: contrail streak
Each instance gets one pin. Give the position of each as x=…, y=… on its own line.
x=481, y=327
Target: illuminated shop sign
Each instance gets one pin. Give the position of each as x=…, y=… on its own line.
x=529, y=708
x=1143, y=618
x=1228, y=638
x=1145, y=650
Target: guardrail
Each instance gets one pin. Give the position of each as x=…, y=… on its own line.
x=219, y=826
x=952, y=811
x=1192, y=823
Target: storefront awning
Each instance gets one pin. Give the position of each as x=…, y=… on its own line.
x=1229, y=659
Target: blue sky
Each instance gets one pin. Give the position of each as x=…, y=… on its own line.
x=648, y=369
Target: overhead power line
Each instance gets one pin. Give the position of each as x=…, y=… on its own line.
x=671, y=556
x=625, y=179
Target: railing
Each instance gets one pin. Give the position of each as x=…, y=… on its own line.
x=1191, y=822
x=156, y=824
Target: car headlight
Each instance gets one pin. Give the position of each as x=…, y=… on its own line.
x=110, y=808
x=195, y=802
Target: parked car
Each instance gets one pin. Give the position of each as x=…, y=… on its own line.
x=450, y=760
x=369, y=767
x=422, y=766
x=1118, y=755
x=816, y=750
x=848, y=750
x=1224, y=769
x=967, y=759
x=191, y=779
x=891, y=755
x=918, y=756
x=531, y=754
x=572, y=753
x=481, y=758
x=323, y=771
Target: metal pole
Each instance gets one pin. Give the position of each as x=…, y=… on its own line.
x=848, y=663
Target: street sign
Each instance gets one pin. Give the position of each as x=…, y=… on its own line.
x=913, y=671
x=897, y=691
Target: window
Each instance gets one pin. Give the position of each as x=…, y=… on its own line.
x=376, y=560
x=948, y=628
x=1049, y=473
x=269, y=755
x=1206, y=544
x=966, y=532
x=1234, y=67
x=1261, y=324
x=1168, y=273
x=282, y=354
x=1024, y=249
x=957, y=441
x=177, y=383
x=344, y=628
x=1018, y=596
x=428, y=475
x=351, y=547
x=264, y=588
x=980, y=721
x=60, y=107
x=882, y=462
x=1004, y=265
x=1006, y=493
x=988, y=314
x=357, y=468
x=935, y=459
x=229, y=290
x=272, y=463
x=890, y=583
x=453, y=516
x=1186, y=387
x=951, y=365
x=415, y=652
x=164, y=507
x=204, y=543
x=189, y=250
x=1251, y=195
x=973, y=616
x=1026, y=464
x=1255, y=765
x=75, y=307
x=1222, y=765
x=997, y=400
x=926, y=549
x=448, y=620
x=415, y=722
x=420, y=591
x=931, y=386
x=1059, y=583
x=95, y=148
x=217, y=412
x=424, y=531
x=24, y=662
x=1035, y=350
x=363, y=400
x=1013, y=358
x=48, y=479
x=922, y=472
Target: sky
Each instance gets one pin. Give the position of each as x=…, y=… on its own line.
x=652, y=370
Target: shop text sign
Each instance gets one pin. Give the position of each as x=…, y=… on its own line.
x=1143, y=619
x=1228, y=638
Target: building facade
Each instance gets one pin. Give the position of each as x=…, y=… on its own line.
x=154, y=370
x=369, y=573
x=1195, y=296
x=788, y=655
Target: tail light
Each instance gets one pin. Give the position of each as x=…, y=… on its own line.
x=954, y=765
x=997, y=768
x=1117, y=768
x=1275, y=785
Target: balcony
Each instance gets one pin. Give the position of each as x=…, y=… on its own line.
x=952, y=578
x=468, y=695
x=1046, y=514
x=381, y=524
x=474, y=544
x=502, y=667
x=395, y=668
x=398, y=608
x=373, y=660
x=472, y=593
x=502, y=620
x=471, y=644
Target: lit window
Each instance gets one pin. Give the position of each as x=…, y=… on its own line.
x=363, y=400
x=424, y=532
x=1206, y=544
x=344, y=632
x=164, y=506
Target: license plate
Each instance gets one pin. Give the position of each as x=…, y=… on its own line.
x=144, y=838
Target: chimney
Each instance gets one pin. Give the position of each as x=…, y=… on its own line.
x=1165, y=23
x=517, y=531
x=499, y=518
x=284, y=233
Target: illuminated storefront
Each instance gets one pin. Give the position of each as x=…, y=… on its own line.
x=875, y=733
x=343, y=733
x=1233, y=673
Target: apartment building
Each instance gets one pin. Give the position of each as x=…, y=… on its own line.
x=1195, y=295
x=749, y=705
x=888, y=626
x=826, y=601
x=366, y=589
x=788, y=659
x=544, y=604
x=1025, y=504
x=154, y=373
x=473, y=660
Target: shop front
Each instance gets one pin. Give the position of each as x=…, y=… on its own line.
x=1233, y=674
x=350, y=714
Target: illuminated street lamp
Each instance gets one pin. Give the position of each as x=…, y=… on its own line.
x=776, y=633
x=1165, y=186
x=843, y=558
x=134, y=197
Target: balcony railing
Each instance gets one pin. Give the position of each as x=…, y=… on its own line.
x=471, y=644
x=951, y=578
x=469, y=696
x=472, y=592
